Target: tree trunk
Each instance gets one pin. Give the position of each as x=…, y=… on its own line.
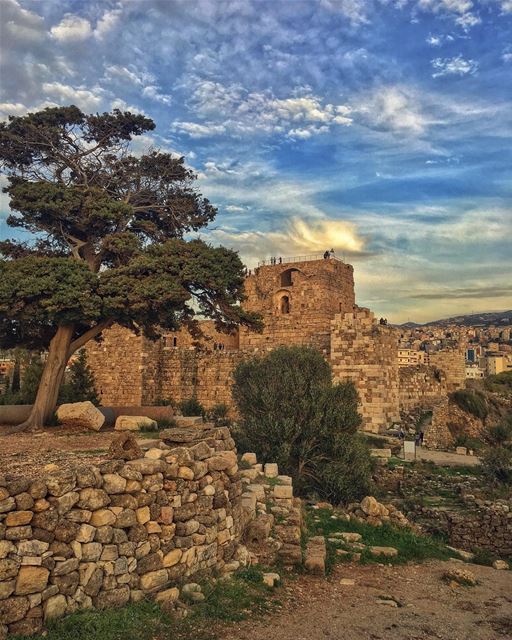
x=51, y=380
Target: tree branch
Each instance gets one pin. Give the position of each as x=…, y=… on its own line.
x=89, y=335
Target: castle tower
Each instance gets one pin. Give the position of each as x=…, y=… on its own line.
x=297, y=300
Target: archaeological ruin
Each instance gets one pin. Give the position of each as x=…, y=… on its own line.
x=303, y=301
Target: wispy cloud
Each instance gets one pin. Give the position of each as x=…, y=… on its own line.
x=456, y=66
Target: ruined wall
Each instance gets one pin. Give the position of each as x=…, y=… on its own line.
x=420, y=386
x=297, y=302
x=104, y=536
x=449, y=421
x=365, y=352
x=452, y=363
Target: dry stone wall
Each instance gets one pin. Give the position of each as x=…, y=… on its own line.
x=107, y=535
x=366, y=352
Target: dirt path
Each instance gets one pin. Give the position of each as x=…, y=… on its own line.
x=316, y=608
x=446, y=458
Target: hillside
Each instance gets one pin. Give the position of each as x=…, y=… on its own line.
x=476, y=319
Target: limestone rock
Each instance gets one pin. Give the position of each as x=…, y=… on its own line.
x=460, y=576
x=81, y=414
x=370, y=506
x=315, y=555
x=31, y=580
x=135, y=423
x=124, y=447
x=500, y=565
x=387, y=552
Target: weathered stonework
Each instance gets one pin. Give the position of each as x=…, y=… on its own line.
x=366, y=352
x=302, y=303
x=452, y=363
x=449, y=421
x=103, y=536
x=297, y=302
x=420, y=386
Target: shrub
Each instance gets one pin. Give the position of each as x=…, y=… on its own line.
x=497, y=465
x=219, y=415
x=471, y=401
x=293, y=415
x=191, y=407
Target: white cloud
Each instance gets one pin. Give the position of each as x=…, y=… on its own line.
x=81, y=97
x=434, y=41
x=196, y=130
x=506, y=6
x=299, y=236
x=459, y=10
x=240, y=112
x=458, y=66
x=393, y=108
x=153, y=93
x=108, y=21
x=355, y=10
x=72, y=28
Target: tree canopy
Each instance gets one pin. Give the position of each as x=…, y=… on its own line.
x=109, y=235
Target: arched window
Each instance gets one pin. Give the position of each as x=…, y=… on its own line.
x=286, y=277
x=284, y=305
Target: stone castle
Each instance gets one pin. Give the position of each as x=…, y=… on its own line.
x=302, y=301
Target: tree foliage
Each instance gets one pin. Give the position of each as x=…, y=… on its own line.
x=292, y=414
x=109, y=238
x=80, y=385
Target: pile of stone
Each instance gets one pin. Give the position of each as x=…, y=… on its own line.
x=274, y=516
x=103, y=536
x=372, y=512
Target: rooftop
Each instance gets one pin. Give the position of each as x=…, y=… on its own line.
x=290, y=259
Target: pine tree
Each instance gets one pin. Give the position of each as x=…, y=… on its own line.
x=81, y=385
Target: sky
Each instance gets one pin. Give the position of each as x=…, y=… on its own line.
x=380, y=128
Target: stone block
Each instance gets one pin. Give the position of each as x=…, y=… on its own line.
x=81, y=414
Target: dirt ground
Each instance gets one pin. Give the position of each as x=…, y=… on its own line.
x=64, y=446
x=318, y=608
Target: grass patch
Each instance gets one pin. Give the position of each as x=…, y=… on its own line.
x=410, y=546
x=226, y=601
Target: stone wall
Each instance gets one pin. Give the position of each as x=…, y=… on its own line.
x=104, y=536
x=147, y=372
x=366, y=352
x=117, y=365
x=452, y=363
x=420, y=386
x=487, y=525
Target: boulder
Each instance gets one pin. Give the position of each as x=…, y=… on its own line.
x=124, y=447
x=81, y=414
x=370, y=506
x=500, y=565
x=135, y=423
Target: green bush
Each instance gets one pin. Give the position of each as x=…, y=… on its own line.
x=497, y=465
x=293, y=415
x=471, y=401
x=191, y=407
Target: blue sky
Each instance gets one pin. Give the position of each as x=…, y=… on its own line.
x=380, y=128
